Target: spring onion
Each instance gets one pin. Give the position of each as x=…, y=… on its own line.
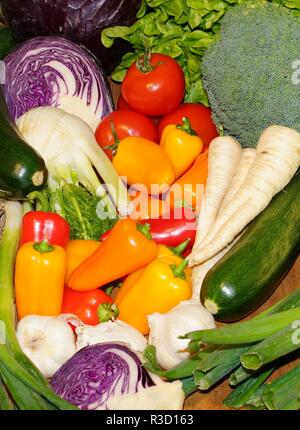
x=278, y=345
x=247, y=331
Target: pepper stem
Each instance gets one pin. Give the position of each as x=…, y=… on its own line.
x=107, y=312
x=178, y=250
x=178, y=271
x=186, y=126
x=145, y=230
x=43, y=247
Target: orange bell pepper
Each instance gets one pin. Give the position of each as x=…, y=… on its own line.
x=143, y=163
x=77, y=251
x=128, y=247
x=182, y=145
x=158, y=287
x=188, y=190
x=39, y=279
x=145, y=206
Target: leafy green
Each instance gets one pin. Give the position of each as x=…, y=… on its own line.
x=183, y=29
x=85, y=212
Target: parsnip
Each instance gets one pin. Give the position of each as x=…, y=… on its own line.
x=223, y=158
x=276, y=162
x=247, y=159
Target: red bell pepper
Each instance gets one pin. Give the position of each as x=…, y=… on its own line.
x=180, y=226
x=90, y=307
x=38, y=226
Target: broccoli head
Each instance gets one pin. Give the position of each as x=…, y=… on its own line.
x=249, y=73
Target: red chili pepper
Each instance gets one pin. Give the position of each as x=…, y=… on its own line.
x=180, y=226
x=88, y=305
x=41, y=226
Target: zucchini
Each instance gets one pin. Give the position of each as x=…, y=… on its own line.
x=251, y=270
x=22, y=170
x=6, y=42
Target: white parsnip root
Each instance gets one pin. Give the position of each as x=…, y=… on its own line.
x=277, y=160
x=223, y=158
x=247, y=159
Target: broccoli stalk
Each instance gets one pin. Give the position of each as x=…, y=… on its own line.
x=248, y=73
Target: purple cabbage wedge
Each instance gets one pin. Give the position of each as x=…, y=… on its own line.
x=99, y=372
x=53, y=71
x=81, y=20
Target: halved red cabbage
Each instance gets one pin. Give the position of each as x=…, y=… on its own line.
x=53, y=71
x=80, y=20
x=99, y=372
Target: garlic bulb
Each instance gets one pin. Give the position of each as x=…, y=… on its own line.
x=48, y=341
x=111, y=331
x=166, y=328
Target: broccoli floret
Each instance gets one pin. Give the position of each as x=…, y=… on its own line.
x=248, y=73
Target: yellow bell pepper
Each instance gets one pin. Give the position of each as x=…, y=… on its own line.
x=182, y=146
x=39, y=279
x=158, y=287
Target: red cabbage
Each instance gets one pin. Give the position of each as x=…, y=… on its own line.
x=81, y=20
x=96, y=373
x=45, y=71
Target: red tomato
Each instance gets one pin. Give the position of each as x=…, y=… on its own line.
x=122, y=105
x=199, y=116
x=126, y=123
x=154, y=86
x=84, y=304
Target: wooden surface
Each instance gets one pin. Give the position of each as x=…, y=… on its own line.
x=213, y=400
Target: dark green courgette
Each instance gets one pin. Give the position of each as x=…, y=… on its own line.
x=249, y=273
x=7, y=42
x=22, y=170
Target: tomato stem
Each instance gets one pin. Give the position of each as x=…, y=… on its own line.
x=116, y=143
x=143, y=63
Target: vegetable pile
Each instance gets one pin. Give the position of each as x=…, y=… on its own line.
x=128, y=232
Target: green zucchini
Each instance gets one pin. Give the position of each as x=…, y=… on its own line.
x=22, y=170
x=6, y=42
x=251, y=270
